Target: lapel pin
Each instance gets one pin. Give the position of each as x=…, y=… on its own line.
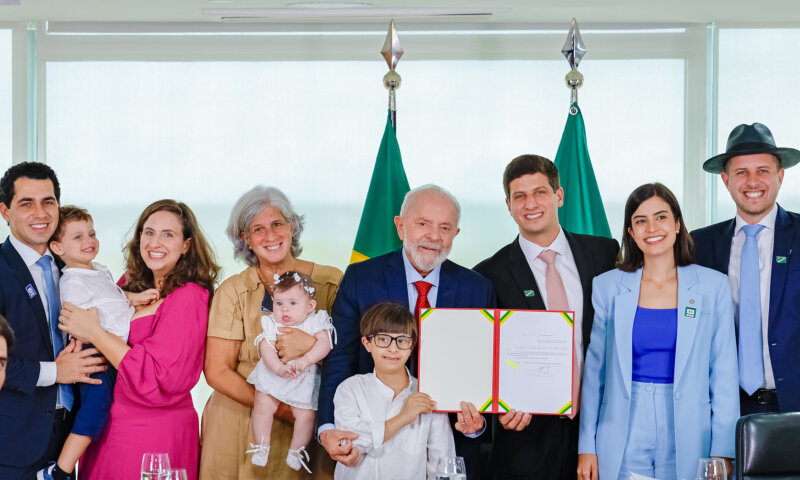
x=31, y=291
x=529, y=293
x=779, y=259
x=690, y=312
x=691, y=301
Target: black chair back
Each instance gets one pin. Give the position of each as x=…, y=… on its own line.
x=768, y=446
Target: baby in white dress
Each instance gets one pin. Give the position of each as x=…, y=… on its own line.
x=295, y=383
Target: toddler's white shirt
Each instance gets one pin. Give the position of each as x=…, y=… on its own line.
x=86, y=288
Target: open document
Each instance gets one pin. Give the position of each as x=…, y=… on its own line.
x=497, y=359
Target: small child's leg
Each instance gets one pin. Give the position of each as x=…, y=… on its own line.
x=263, y=412
x=72, y=451
x=303, y=427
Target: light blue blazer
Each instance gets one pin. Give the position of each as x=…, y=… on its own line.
x=706, y=385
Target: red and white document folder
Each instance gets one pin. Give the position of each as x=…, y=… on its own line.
x=497, y=359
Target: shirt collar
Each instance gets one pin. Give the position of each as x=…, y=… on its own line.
x=532, y=250
x=411, y=388
x=768, y=221
x=29, y=255
x=412, y=275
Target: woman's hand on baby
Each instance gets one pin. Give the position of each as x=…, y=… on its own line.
x=416, y=404
x=143, y=298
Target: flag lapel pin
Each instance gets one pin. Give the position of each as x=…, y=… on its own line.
x=780, y=259
x=529, y=293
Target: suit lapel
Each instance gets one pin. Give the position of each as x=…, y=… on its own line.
x=722, y=247
x=782, y=247
x=448, y=285
x=586, y=271
x=395, y=277
x=624, y=311
x=523, y=277
x=24, y=280
x=690, y=304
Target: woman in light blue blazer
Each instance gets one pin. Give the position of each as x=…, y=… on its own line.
x=660, y=383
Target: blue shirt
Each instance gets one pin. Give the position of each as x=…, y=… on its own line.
x=655, y=333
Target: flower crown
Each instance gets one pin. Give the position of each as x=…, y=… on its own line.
x=302, y=281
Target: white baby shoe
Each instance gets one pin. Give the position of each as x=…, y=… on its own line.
x=295, y=459
x=260, y=453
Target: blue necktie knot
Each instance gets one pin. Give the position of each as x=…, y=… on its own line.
x=752, y=230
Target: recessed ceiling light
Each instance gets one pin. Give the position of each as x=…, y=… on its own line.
x=329, y=5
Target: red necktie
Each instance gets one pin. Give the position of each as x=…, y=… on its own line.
x=422, y=297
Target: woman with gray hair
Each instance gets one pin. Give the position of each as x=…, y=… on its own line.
x=265, y=231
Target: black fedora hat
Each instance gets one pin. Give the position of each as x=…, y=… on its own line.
x=749, y=140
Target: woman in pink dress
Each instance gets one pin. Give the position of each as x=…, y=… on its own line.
x=152, y=409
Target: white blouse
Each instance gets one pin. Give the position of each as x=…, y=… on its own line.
x=362, y=404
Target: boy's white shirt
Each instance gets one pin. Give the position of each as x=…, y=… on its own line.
x=362, y=404
x=86, y=288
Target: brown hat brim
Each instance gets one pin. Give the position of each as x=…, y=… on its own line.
x=789, y=157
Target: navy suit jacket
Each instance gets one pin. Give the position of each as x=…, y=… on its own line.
x=713, y=249
x=26, y=411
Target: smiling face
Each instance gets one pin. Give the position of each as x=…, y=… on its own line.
x=427, y=229
x=78, y=245
x=270, y=236
x=654, y=228
x=534, y=205
x=32, y=215
x=291, y=307
x=162, y=243
x=389, y=359
x=753, y=182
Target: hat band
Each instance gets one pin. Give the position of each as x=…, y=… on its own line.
x=751, y=147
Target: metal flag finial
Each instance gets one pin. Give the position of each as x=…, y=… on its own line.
x=574, y=50
x=391, y=52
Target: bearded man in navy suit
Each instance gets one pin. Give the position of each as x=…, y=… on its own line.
x=752, y=169
x=427, y=225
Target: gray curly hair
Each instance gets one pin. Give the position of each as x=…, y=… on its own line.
x=245, y=211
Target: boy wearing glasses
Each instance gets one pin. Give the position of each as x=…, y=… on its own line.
x=398, y=435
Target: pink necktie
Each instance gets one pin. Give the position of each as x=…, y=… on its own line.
x=557, y=300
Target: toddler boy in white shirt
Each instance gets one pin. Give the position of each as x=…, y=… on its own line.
x=86, y=284
x=398, y=435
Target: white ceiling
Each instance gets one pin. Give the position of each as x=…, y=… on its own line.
x=724, y=12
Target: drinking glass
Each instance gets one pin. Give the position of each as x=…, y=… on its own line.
x=453, y=469
x=155, y=466
x=711, y=469
x=177, y=474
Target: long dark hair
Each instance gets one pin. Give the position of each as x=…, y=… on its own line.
x=197, y=265
x=632, y=257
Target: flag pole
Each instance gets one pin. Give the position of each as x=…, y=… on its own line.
x=574, y=50
x=391, y=52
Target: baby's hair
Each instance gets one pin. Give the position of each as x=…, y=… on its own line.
x=67, y=214
x=388, y=317
x=290, y=279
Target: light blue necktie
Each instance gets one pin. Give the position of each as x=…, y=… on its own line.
x=54, y=310
x=751, y=361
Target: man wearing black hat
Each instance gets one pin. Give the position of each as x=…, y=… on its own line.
x=755, y=250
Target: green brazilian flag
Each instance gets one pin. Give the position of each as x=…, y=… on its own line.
x=376, y=231
x=583, y=210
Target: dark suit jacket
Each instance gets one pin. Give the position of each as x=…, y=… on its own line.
x=382, y=279
x=520, y=453
x=26, y=411
x=713, y=249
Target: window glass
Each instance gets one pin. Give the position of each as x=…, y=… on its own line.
x=5, y=110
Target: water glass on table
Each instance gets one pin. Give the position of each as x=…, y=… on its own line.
x=155, y=466
x=711, y=469
x=452, y=469
x=177, y=474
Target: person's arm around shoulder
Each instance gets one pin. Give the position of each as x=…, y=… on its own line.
x=593, y=385
x=724, y=373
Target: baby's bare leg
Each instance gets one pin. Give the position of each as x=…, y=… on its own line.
x=72, y=451
x=263, y=411
x=303, y=427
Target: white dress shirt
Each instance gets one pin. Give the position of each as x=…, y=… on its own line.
x=86, y=288
x=47, y=370
x=565, y=264
x=362, y=405
x=766, y=242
